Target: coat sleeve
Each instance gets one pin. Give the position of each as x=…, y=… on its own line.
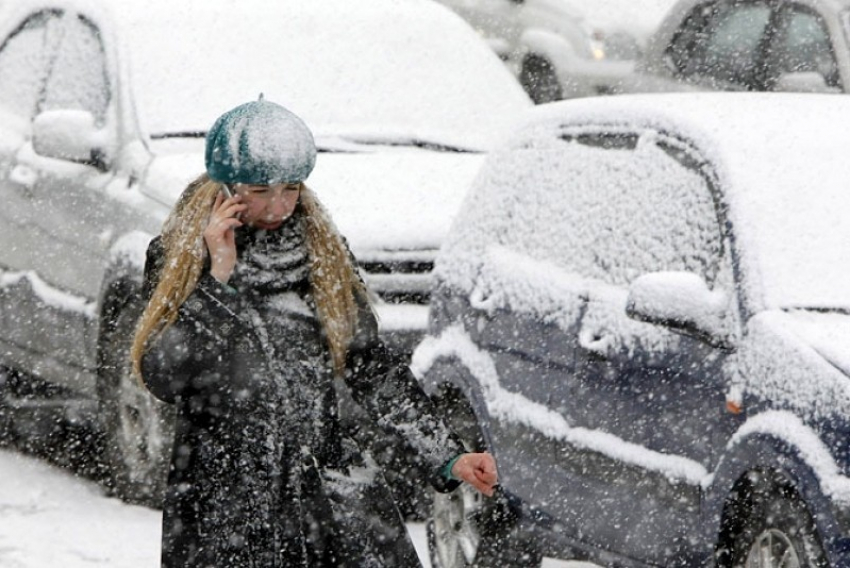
x=188, y=359
x=388, y=391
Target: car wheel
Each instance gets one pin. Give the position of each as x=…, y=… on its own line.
x=466, y=528
x=539, y=80
x=138, y=428
x=776, y=531
x=453, y=530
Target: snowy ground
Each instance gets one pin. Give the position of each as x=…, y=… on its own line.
x=49, y=517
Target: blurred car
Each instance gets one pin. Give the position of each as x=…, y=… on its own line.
x=103, y=112
x=642, y=309
x=550, y=46
x=759, y=45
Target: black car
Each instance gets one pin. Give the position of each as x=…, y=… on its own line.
x=642, y=311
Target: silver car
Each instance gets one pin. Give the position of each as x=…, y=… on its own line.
x=103, y=113
x=761, y=45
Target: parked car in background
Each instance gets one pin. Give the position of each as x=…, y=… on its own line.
x=758, y=45
x=548, y=45
x=642, y=311
x=103, y=112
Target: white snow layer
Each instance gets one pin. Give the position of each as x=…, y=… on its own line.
x=48, y=294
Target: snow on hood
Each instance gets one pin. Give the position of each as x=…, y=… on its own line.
x=391, y=199
x=795, y=360
x=827, y=333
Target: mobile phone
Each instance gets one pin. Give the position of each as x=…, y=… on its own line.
x=225, y=189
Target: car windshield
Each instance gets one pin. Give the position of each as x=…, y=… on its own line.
x=428, y=81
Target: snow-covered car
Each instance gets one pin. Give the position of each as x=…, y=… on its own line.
x=103, y=112
x=759, y=45
x=642, y=310
x=562, y=49
x=545, y=43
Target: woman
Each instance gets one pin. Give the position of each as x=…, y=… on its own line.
x=255, y=306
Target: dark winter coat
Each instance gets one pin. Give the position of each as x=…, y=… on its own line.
x=260, y=474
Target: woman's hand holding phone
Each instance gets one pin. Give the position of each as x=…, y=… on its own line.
x=219, y=235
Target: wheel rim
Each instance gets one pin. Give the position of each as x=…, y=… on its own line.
x=773, y=549
x=138, y=429
x=140, y=434
x=455, y=526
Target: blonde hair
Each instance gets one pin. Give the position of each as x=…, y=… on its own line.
x=338, y=291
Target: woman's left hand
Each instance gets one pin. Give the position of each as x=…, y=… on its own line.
x=479, y=470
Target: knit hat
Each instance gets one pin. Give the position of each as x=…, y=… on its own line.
x=259, y=143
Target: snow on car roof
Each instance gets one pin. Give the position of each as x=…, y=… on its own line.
x=780, y=160
x=395, y=68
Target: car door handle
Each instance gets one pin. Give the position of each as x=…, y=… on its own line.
x=23, y=176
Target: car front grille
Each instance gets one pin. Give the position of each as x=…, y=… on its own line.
x=399, y=277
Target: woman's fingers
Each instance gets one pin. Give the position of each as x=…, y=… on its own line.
x=479, y=470
x=219, y=235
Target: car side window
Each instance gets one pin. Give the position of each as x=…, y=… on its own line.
x=79, y=77
x=24, y=63
x=724, y=43
x=804, y=45
x=607, y=206
x=659, y=212
x=688, y=41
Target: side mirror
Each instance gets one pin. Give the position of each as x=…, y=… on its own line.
x=682, y=302
x=803, y=82
x=70, y=135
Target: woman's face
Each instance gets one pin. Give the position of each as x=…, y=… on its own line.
x=268, y=205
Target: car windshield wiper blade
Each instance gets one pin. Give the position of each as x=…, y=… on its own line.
x=183, y=134
x=409, y=141
x=823, y=309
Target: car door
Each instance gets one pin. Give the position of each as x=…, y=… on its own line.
x=655, y=397
x=63, y=213
x=26, y=55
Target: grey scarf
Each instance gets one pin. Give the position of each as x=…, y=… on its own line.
x=273, y=261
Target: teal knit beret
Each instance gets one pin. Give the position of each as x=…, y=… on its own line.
x=259, y=143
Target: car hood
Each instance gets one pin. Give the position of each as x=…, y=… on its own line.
x=395, y=198
x=827, y=333
x=795, y=359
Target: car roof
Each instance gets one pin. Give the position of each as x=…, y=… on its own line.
x=780, y=161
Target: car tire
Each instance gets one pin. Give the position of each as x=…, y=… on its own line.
x=539, y=80
x=138, y=429
x=467, y=529
x=6, y=422
x=770, y=527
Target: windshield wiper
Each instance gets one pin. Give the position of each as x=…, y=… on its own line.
x=414, y=142
x=185, y=134
x=822, y=310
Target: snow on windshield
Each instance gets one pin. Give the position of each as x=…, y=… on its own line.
x=429, y=75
